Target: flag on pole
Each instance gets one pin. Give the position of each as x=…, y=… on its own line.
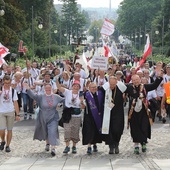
x=83, y=61
x=3, y=52
x=107, y=28
x=106, y=49
x=147, y=51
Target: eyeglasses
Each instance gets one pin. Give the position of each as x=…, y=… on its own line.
x=94, y=87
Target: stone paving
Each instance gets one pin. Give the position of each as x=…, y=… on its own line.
x=158, y=148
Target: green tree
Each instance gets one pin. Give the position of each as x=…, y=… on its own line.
x=72, y=19
x=136, y=14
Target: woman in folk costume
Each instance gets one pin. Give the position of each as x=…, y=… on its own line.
x=46, y=127
x=93, y=115
x=71, y=114
x=139, y=118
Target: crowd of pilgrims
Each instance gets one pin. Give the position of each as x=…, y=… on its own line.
x=84, y=97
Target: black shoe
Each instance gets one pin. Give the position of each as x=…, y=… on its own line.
x=74, y=150
x=66, y=150
x=47, y=147
x=163, y=120
x=160, y=118
x=116, y=149
x=136, y=151
x=2, y=145
x=89, y=151
x=143, y=147
x=111, y=149
x=7, y=149
x=53, y=153
x=95, y=148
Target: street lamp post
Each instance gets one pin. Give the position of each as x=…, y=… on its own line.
x=163, y=27
x=55, y=31
x=40, y=26
x=96, y=33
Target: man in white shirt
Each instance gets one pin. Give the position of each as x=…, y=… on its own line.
x=8, y=105
x=47, y=79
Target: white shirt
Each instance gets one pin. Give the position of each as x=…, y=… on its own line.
x=68, y=99
x=151, y=94
x=30, y=82
x=34, y=72
x=18, y=87
x=41, y=89
x=166, y=78
x=83, y=74
x=7, y=105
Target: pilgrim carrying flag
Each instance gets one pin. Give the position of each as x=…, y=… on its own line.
x=107, y=28
x=3, y=52
x=147, y=51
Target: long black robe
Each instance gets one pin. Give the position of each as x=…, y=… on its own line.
x=116, y=119
x=140, y=127
x=90, y=132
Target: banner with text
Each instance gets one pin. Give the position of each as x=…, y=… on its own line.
x=99, y=63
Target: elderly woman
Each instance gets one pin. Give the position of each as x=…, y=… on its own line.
x=16, y=84
x=47, y=120
x=71, y=115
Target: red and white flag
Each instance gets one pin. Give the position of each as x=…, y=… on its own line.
x=3, y=52
x=147, y=51
x=107, y=28
x=107, y=52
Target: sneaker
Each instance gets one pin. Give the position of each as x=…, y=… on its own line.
x=66, y=150
x=136, y=151
x=30, y=116
x=25, y=116
x=143, y=147
x=95, y=148
x=89, y=151
x=2, y=145
x=47, y=147
x=74, y=150
x=53, y=153
x=7, y=149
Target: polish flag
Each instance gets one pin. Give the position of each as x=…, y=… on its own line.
x=3, y=52
x=147, y=51
x=107, y=52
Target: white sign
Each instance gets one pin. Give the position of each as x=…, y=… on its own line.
x=99, y=63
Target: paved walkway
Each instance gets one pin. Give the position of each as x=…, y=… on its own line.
x=27, y=154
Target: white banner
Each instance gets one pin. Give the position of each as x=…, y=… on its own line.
x=99, y=63
x=107, y=28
